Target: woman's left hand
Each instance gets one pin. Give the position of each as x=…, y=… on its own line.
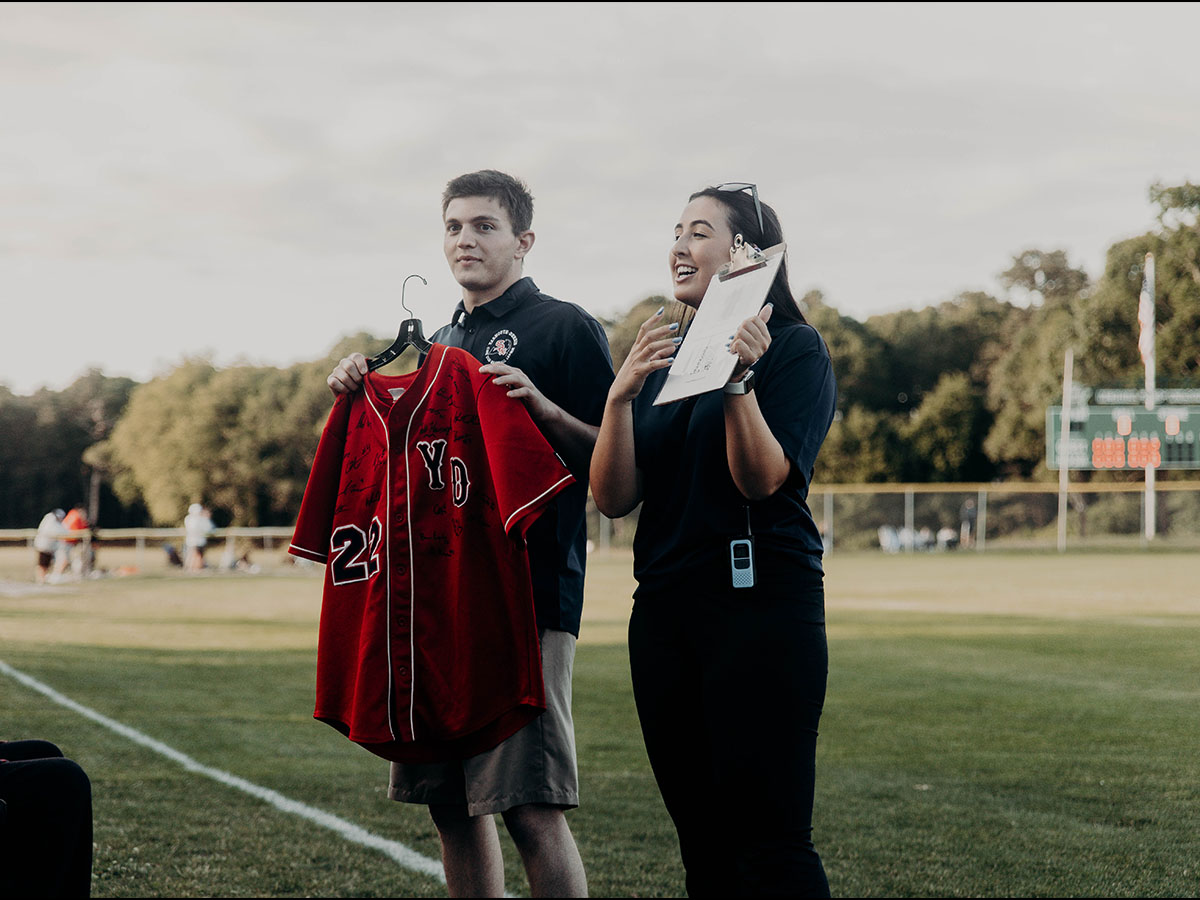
x=750, y=341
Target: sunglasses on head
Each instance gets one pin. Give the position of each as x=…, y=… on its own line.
x=741, y=186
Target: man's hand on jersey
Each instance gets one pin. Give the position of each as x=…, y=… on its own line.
x=347, y=375
x=519, y=386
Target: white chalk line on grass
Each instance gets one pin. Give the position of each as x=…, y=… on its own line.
x=403, y=855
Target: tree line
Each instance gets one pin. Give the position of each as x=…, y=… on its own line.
x=952, y=392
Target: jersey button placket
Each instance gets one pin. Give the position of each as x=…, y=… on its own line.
x=398, y=562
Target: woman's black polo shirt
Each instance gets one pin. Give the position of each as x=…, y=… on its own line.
x=691, y=508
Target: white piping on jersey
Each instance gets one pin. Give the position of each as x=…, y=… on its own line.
x=314, y=555
x=412, y=574
x=517, y=512
x=387, y=558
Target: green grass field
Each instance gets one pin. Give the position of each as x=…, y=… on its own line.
x=996, y=725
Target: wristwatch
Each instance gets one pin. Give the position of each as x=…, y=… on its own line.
x=743, y=385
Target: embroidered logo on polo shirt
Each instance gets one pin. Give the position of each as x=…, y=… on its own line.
x=500, y=347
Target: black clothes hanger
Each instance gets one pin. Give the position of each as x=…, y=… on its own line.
x=410, y=334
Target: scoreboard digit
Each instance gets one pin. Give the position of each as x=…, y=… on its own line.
x=1125, y=437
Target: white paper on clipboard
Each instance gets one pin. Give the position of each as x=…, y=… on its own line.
x=703, y=362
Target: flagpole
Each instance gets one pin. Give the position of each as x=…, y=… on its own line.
x=1146, y=346
x=1064, y=454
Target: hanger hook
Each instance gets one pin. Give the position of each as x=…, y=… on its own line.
x=403, y=286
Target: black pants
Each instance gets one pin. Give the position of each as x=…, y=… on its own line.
x=729, y=687
x=45, y=823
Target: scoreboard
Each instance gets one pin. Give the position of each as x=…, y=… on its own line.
x=1125, y=437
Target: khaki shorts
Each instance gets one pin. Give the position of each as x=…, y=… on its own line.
x=535, y=765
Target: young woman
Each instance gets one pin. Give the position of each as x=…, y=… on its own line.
x=729, y=681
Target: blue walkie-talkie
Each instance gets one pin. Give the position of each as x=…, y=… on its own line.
x=741, y=561
x=741, y=558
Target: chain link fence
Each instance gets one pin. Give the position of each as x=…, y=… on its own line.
x=896, y=518
x=905, y=518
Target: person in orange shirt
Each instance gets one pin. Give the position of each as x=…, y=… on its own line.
x=76, y=521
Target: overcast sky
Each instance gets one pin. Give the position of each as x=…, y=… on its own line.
x=251, y=182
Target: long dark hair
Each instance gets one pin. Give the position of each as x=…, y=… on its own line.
x=743, y=220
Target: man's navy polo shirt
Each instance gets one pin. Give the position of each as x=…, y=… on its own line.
x=564, y=351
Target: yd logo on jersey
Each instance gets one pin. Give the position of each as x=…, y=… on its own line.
x=434, y=453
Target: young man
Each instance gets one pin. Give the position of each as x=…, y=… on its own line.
x=554, y=358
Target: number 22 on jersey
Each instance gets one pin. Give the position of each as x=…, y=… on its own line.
x=353, y=555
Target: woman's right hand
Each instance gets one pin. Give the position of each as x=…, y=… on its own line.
x=347, y=375
x=653, y=349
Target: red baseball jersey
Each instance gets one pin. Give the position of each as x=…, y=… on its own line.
x=418, y=501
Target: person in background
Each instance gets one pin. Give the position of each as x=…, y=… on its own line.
x=729, y=662
x=46, y=542
x=45, y=822
x=174, y=560
x=70, y=552
x=197, y=526
x=969, y=516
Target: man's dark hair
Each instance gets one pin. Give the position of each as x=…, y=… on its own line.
x=511, y=193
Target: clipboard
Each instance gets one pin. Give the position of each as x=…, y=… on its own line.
x=736, y=292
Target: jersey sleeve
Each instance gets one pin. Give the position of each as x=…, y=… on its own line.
x=311, y=537
x=797, y=395
x=525, y=470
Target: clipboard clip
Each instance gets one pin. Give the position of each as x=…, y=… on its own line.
x=743, y=257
